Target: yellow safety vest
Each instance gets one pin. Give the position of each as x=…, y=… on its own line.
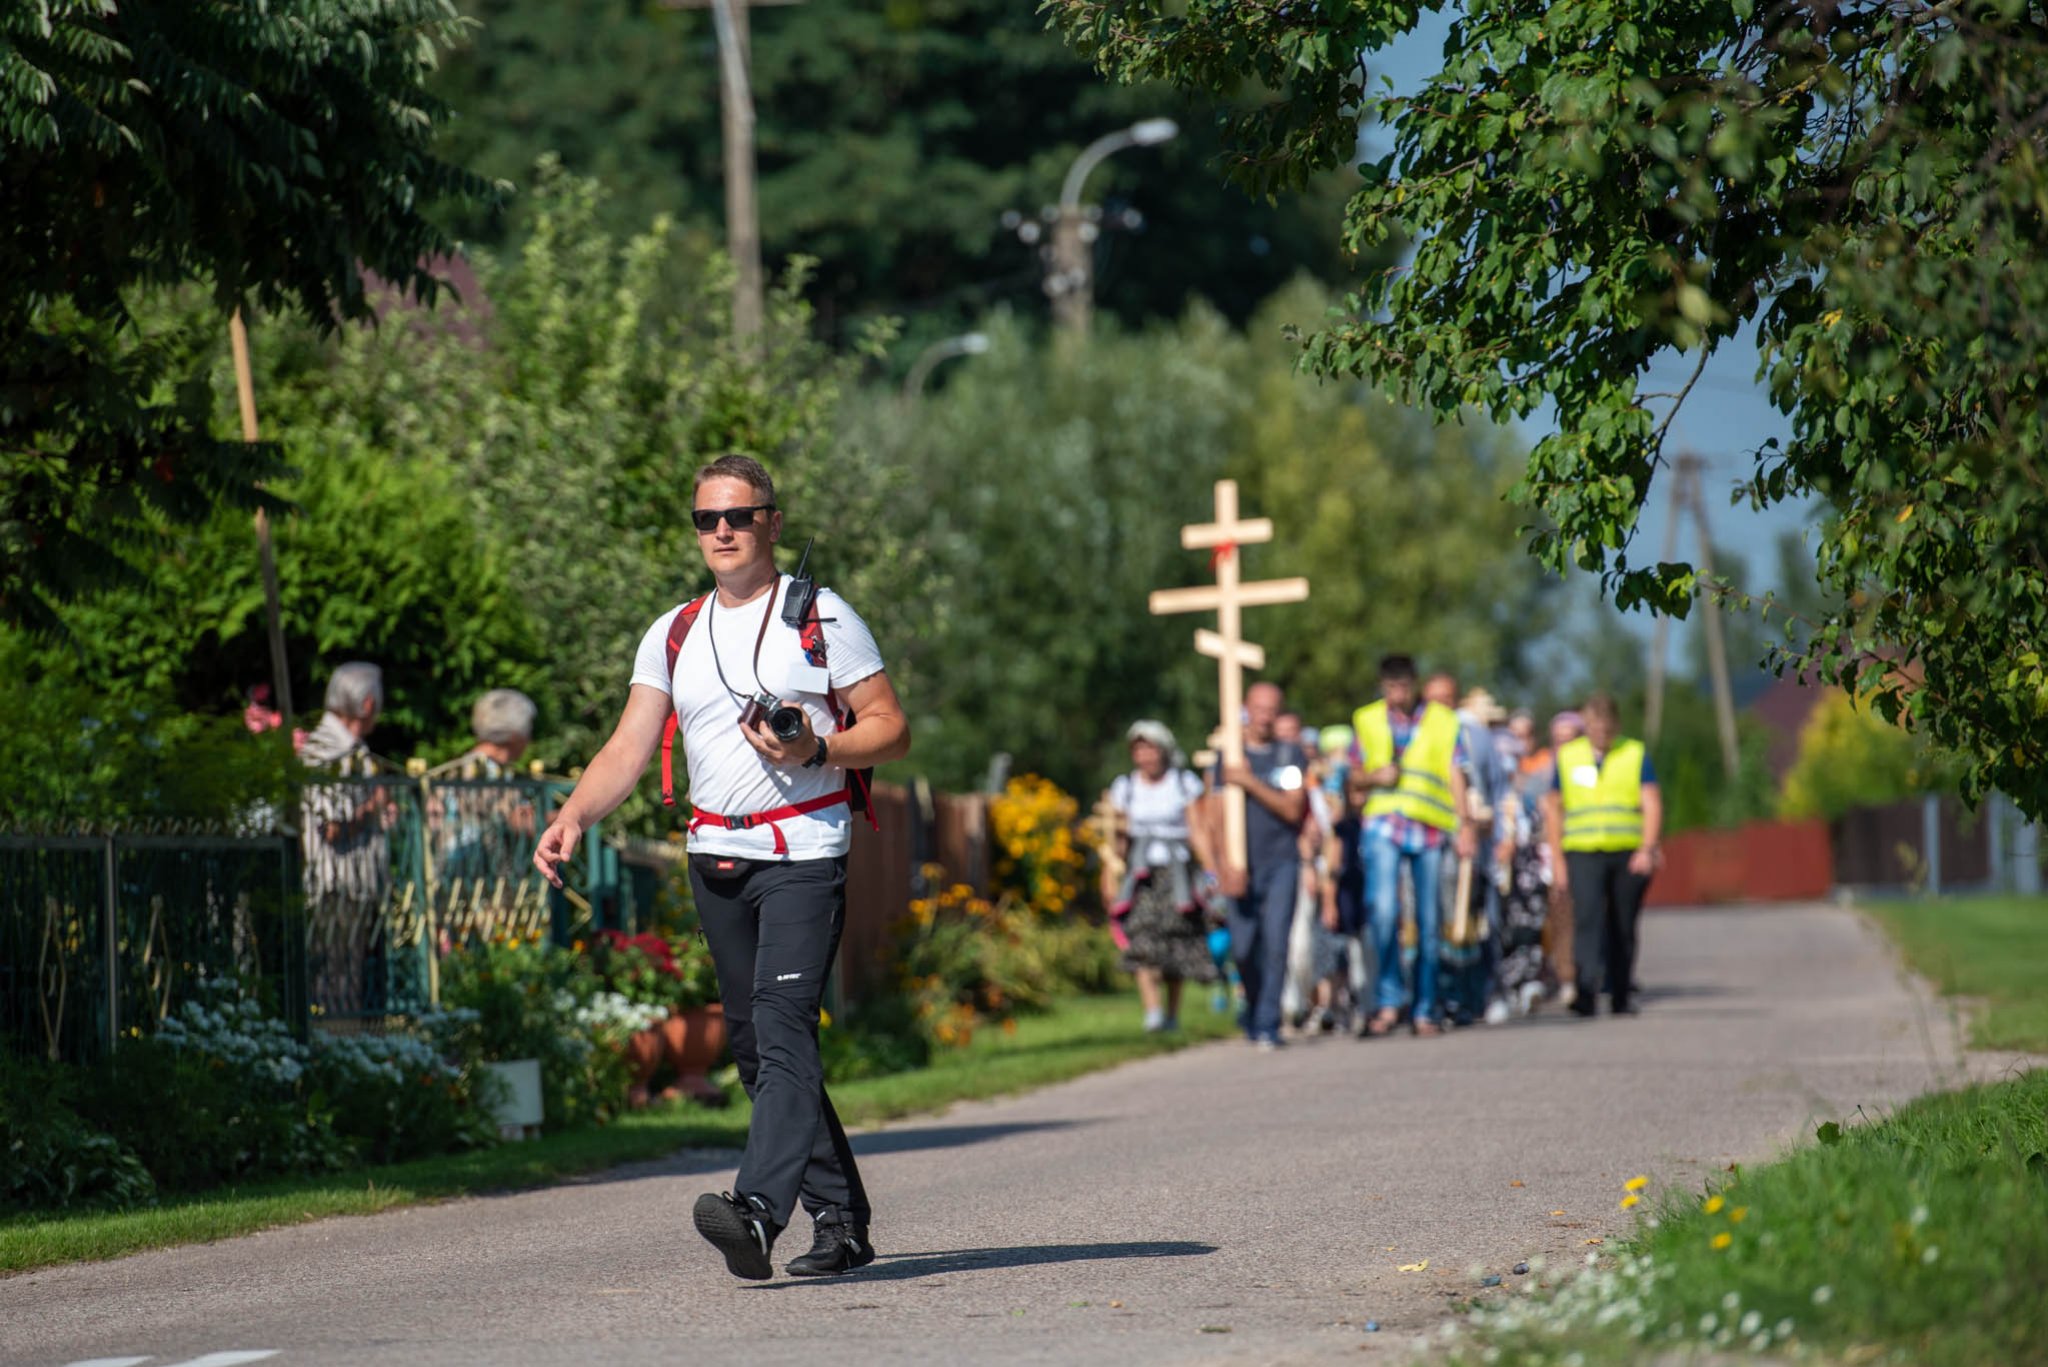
x=1603, y=802
x=1424, y=793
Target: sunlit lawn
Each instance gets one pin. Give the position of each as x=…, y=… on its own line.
x=1990, y=950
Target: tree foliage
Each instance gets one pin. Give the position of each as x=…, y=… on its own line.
x=1587, y=185
x=892, y=138
x=271, y=151
x=498, y=495
x=1851, y=757
x=1058, y=479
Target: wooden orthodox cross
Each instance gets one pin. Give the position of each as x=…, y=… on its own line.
x=1110, y=823
x=1226, y=645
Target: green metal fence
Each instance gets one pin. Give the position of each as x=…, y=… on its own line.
x=344, y=919
x=100, y=934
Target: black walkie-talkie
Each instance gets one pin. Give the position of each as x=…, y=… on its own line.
x=803, y=591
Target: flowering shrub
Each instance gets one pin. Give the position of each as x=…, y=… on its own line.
x=654, y=970
x=524, y=998
x=1033, y=822
x=962, y=960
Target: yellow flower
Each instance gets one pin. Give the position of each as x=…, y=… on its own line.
x=1714, y=1204
x=824, y=1019
x=1628, y=1202
x=1736, y=1215
x=1636, y=1183
x=1722, y=1240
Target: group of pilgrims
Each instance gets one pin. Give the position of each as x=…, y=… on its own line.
x=1436, y=861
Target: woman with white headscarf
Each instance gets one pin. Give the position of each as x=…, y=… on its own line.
x=1155, y=907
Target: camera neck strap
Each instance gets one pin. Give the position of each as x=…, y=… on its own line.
x=767, y=614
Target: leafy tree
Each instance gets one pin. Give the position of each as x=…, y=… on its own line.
x=1058, y=479
x=1851, y=757
x=892, y=138
x=1591, y=184
x=272, y=151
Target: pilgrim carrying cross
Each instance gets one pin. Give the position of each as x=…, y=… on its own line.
x=1227, y=646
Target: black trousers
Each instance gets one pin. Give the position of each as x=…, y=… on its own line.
x=774, y=927
x=1607, y=901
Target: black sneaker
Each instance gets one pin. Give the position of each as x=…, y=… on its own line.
x=739, y=1228
x=836, y=1247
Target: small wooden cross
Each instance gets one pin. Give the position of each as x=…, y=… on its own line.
x=1110, y=822
x=1227, y=646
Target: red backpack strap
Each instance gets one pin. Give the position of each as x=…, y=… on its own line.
x=678, y=631
x=859, y=782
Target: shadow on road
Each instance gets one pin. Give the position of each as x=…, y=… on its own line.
x=912, y=1139
x=904, y=1266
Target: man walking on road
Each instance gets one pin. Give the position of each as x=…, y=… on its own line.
x=1605, y=816
x=1409, y=754
x=1262, y=897
x=768, y=839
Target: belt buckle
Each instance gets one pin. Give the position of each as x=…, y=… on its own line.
x=739, y=823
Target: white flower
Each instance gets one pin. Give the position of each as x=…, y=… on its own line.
x=1930, y=1253
x=1919, y=1216
x=1823, y=1294
x=1783, y=1328
x=1752, y=1322
x=1732, y=1300
x=1708, y=1322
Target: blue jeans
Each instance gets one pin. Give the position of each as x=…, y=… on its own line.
x=1383, y=862
x=1259, y=923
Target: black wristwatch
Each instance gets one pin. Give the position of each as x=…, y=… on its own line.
x=818, y=760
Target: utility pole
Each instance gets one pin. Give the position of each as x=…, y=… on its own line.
x=273, y=615
x=1685, y=498
x=736, y=123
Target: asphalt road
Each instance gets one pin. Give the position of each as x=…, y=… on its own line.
x=1218, y=1205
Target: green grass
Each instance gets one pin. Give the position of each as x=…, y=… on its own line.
x=1079, y=1035
x=1991, y=950
x=1921, y=1237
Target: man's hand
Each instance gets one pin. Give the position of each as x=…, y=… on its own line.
x=1560, y=878
x=1330, y=918
x=1238, y=774
x=788, y=754
x=1386, y=776
x=557, y=844
x=1233, y=882
x=1504, y=853
x=1467, y=841
x=1643, y=862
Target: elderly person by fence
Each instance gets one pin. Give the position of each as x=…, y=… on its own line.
x=342, y=836
x=502, y=722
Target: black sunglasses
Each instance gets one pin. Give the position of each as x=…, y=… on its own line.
x=739, y=519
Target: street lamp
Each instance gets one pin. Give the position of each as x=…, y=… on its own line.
x=966, y=344
x=1070, y=277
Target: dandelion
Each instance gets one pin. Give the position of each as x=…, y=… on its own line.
x=1636, y=1183
x=1783, y=1328
x=1930, y=1254
x=1738, y=1215
x=1731, y=1301
x=1823, y=1294
x=1629, y=1201
x=1752, y=1322
x=1919, y=1216
x=1722, y=1240
x=1713, y=1205
x=1708, y=1323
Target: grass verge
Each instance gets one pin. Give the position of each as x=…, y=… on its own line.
x=1993, y=950
x=1921, y=1237
x=1080, y=1035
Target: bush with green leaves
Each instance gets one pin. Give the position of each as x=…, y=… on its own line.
x=515, y=998
x=272, y=152
x=52, y=1160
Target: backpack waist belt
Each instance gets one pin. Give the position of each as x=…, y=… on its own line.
x=770, y=819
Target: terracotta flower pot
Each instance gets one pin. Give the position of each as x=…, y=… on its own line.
x=645, y=1050
x=695, y=1040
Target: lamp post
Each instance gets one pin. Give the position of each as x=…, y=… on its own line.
x=966, y=344
x=1070, y=274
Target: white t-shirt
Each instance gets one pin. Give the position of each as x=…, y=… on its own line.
x=727, y=775
x=1157, y=812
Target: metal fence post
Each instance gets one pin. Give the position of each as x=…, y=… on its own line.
x=2026, y=854
x=111, y=931
x=1930, y=842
